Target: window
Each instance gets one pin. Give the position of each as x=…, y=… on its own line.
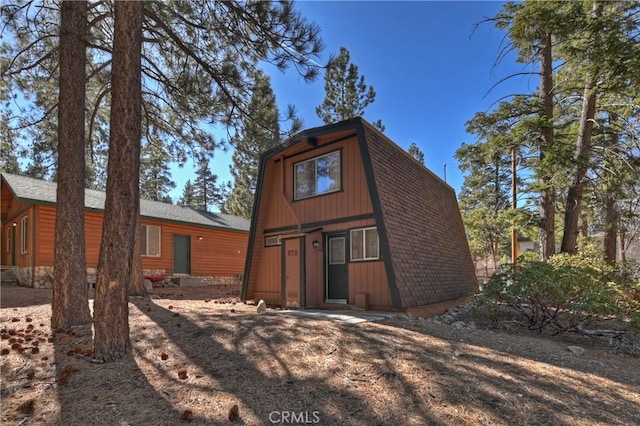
x=336, y=251
x=24, y=234
x=150, y=240
x=9, y=233
x=272, y=241
x=317, y=176
x=364, y=244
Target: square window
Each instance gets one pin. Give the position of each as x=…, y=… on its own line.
x=317, y=176
x=365, y=244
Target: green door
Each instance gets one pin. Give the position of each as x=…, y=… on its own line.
x=337, y=286
x=181, y=254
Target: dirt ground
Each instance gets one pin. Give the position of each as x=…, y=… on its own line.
x=202, y=357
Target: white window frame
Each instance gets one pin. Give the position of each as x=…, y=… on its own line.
x=315, y=160
x=24, y=235
x=9, y=234
x=145, y=234
x=364, y=257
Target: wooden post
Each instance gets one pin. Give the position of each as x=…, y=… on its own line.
x=514, y=194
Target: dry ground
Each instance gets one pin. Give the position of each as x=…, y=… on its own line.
x=196, y=354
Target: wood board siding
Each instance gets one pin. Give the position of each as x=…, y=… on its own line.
x=219, y=253
x=352, y=200
x=333, y=211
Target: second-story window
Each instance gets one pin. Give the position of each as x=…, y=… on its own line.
x=317, y=176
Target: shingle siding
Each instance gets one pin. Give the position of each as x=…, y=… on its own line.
x=429, y=251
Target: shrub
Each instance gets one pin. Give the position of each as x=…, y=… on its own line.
x=566, y=293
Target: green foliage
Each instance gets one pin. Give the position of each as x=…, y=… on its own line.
x=196, y=73
x=566, y=293
x=205, y=193
x=416, y=152
x=155, y=176
x=258, y=134
x=347, y=95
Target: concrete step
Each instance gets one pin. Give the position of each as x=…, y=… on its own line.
x=189, y=282
x=7, y=276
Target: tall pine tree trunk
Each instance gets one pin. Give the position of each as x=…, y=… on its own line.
x=611, y=210
x=111, y=312
x=70, y=304
x=548, y=195
x=136, y=284
x=583, y=150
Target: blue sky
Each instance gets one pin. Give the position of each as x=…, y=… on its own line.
x=431, y=68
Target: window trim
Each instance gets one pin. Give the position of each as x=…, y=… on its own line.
x=315, y=159
x=9, y=234
x=364, y=244
x=145, y=235
x=24, y=234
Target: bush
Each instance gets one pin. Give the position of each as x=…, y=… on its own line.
x=566, y=293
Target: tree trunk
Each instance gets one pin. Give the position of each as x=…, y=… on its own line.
x=548, y=195
x=611, y=210
x=574, y=194
x=111, y=318
x=611, y=231
x=583, y=150
x=70, y=301
x=136, y=285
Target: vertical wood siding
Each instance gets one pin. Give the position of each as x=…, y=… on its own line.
x=264, y=280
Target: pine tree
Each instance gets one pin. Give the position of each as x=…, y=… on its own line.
x=258, y=135
x=9, y=159
x=206, y=193
x=195, y=71
x=188, y=198
x=122, y=200
x=416, y=153
x=70, y=305
x=155, y=176
x=347, y=95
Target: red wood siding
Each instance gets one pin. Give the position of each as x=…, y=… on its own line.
x=219, y=253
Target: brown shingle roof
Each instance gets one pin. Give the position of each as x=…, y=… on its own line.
x=420, y=220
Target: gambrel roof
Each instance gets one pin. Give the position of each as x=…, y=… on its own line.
x=422, y=237
x=35, y=191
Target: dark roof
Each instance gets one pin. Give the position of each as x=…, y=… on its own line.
x=425, y=237
x=36, y=191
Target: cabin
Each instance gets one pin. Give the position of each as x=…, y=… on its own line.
x=176, y=241
x=345, y=218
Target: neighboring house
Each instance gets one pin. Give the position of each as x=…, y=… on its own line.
x=175, y=239
x=526, y=244
x=631, y=249
x=344, y=217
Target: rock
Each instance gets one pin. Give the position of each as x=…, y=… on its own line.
x=262, y=307
x=576, y=350
x=458, y=325
x=148, y=285
x=234, y=412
